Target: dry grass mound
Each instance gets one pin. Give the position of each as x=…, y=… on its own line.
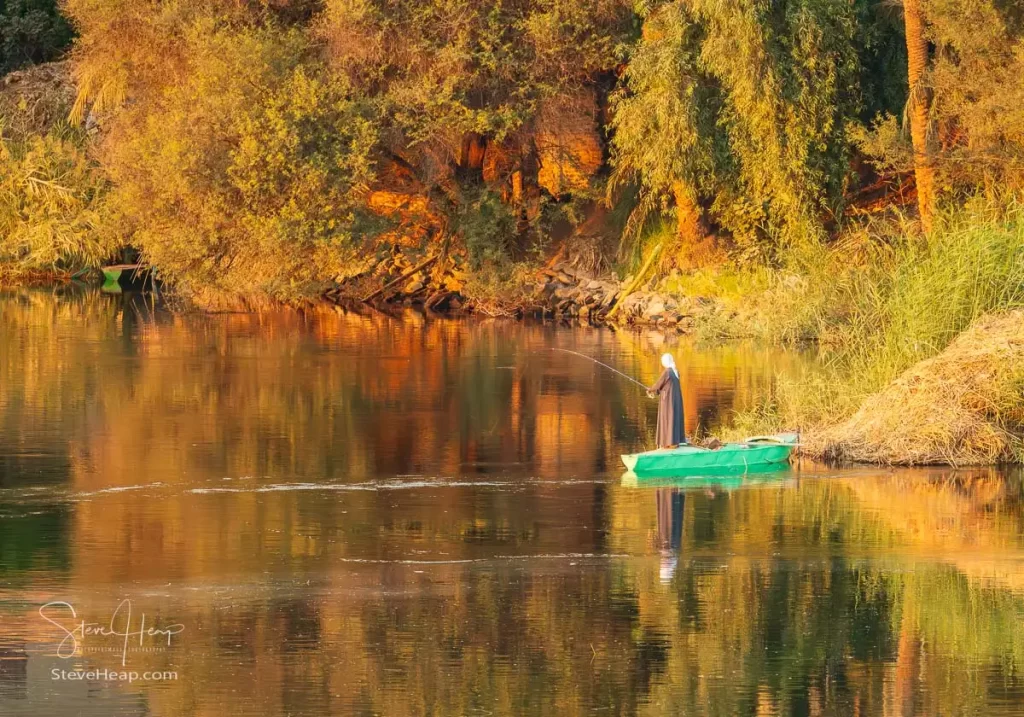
x=962, y=407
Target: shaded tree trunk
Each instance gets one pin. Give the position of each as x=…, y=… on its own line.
x=924, y=165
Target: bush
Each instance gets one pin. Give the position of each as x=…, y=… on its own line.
x=31, y=31
x=50, y=199
x=244, y=174
x=488, y=228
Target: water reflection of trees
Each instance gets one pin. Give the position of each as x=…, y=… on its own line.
x=791, y=598
x=327, y=394
x=884, y=593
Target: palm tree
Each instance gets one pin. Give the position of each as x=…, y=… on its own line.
x=917, y=56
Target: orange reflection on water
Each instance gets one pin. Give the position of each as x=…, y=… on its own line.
x=363, y=513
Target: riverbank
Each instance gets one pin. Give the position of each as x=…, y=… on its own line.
x=962, y=407
x=918, y=345
x=918, y=339
x=880, y=308
x=876, y=300
x=557, y=290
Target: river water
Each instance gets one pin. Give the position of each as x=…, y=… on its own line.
x=337, y=513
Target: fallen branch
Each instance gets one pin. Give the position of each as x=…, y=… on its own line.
x=391, y=284
x=627, y=290
x=436, y=300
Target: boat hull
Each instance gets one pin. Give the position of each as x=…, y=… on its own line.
x=125, y=276
x=770, y=475
x=730, y=459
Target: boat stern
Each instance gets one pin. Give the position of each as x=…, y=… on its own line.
x=629, y=460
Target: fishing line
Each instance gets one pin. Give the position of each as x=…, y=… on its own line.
x=610, y=368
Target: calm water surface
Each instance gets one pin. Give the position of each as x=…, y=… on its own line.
x=333, y=513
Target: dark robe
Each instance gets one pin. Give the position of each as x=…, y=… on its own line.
x=670, y=410
x=670, y=517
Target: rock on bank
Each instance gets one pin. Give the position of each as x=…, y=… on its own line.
x=560, y=291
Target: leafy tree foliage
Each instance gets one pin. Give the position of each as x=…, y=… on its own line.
x=479, y=65
x=745, y=107
x=245, y=143
x=975, y=81
x=244, y=174
x=242, y=139
x=439, y=71
x=50, y=202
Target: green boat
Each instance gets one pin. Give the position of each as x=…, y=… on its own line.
x=754, y=454
x=764, y=476
x=118, y=276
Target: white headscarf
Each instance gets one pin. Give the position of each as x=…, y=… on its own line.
x=668, y=568
x=668, y=362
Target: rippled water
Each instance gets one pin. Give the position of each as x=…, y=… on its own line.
x=331, y=513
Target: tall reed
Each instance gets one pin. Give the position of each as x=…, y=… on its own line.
x=878, y=315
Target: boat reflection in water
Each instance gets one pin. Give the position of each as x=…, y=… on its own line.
x=670, y=498
x=703, y=482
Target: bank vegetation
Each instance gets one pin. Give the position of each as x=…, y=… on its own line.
x=840, y=172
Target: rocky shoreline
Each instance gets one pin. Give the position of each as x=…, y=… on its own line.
x=566, y=292
x=560, y=291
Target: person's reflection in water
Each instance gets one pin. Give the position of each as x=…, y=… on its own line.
x=670, y=529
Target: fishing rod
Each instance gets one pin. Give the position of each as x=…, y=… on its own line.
x=610, y=368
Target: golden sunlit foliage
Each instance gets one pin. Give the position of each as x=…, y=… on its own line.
x=237, y=165
x=976, y=87
x=745, y=110
x=50, y=202
x=245, y=143
x=267, y=149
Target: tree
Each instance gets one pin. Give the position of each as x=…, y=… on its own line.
x=665, y=118
x=918, y=111
x=743, y=109
x=966, y=105
x=456, y=81
x=977, y=101
x=31, y=31
x=250, y=142
x=240, y=162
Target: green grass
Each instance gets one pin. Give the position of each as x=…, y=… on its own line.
x=930, y=292
x=877, y=305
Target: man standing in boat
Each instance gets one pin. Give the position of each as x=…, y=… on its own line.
x=671, y=431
